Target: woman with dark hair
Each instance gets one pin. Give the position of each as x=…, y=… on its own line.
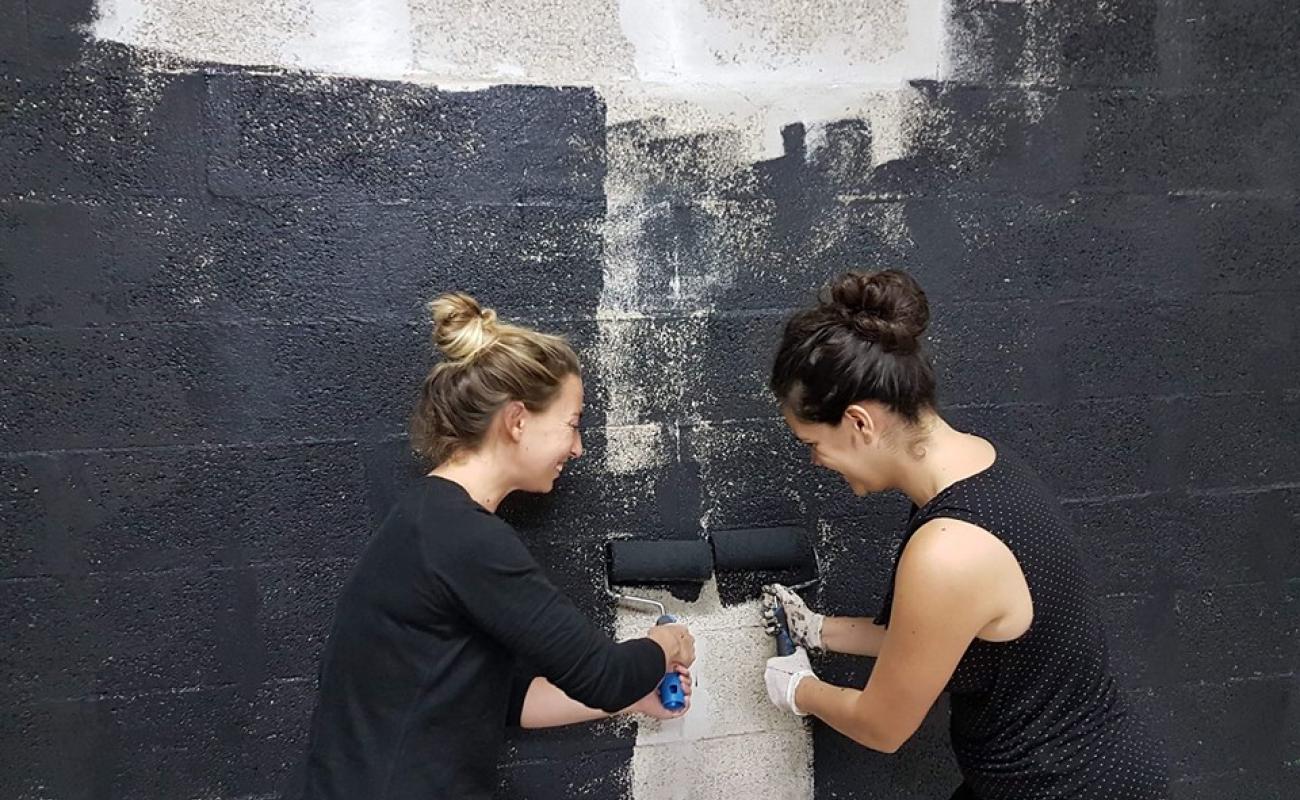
x=448, y=632
x=988, y=600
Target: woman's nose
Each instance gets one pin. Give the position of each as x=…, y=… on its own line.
x=577, y=445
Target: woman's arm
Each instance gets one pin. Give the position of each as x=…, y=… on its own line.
x=858, y=636
x=504, y=593
x=947, y=591
x=546, y=706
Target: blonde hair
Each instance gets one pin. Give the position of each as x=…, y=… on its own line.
x=487, y=364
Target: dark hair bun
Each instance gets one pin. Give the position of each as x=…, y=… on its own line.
x=887, y=307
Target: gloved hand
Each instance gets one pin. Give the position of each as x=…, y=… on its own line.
x=782, y=678
x=805, y=624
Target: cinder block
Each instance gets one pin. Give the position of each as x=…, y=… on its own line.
x=137, y=259
x=991, y=141
x=299, y=135
x=751, y=474
x=649, y=164
x=988, y=41
x=731, y=699
x=1235, y=440
x=599, y=773
x=58, y=32
x=322, y=257
x=1199, y=541
x=295, y=613
x=591, y=501
x=117, y=511
x=922, y=768
x=1244, y=783
x=189, y=744
x=109, y=132
x=1246, y=45
x=771, y=765
x=160, y=384
x=1090, y=448
x=123, y=634
x=525, y=746
x=1243, y=244
x=1122, y=43
x=856, y=555
x=1141, y=632
x=1261, y=621
x=1157, y=142
x=13, y=36
x=73, y=264
x=992, y=352
x=1248, y=724
x=1113, y=347
x=1049, y=249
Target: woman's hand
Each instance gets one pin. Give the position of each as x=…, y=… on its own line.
x=651, y=706
x=677, y=642
x=783, y=675
x=804, y=624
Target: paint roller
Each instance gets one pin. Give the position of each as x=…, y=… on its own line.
x=635, y=561
x=768, y=550
x=641, y=562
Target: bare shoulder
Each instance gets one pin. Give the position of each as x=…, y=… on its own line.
x=952, y=556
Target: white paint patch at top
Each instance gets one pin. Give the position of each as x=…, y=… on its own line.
x=878, y=43
x=720, y=43
x=367, y=37
x=370, y=38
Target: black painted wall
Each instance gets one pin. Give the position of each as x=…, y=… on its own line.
x=210, y=331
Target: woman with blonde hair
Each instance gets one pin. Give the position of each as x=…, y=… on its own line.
x=447, y=631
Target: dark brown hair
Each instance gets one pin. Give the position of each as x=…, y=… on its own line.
x=862, y=341
x=487, y=364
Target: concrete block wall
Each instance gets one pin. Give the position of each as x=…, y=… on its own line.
x=211, y=267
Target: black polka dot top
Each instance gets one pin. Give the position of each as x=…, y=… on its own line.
x=1039, y=717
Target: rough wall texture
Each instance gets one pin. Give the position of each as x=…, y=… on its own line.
x=210, y=279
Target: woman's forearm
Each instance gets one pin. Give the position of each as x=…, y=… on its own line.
x=545, y=706
x=857, y=636
x=837, y=706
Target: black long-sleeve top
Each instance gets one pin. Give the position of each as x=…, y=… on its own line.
x=437, y=634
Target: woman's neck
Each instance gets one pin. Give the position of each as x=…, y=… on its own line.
x=945, y=456
x=480, y=475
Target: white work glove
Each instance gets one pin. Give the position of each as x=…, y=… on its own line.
x=782, y=677
x=805, y=625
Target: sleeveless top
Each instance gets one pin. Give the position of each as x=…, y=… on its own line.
x=1040, y=716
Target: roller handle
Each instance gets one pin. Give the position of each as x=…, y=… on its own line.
x=784, y=644
x=670, y=688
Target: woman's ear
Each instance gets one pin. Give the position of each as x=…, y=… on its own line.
x=862, y=423
x=513, y=418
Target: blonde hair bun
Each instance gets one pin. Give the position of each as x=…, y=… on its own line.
x=461, y=327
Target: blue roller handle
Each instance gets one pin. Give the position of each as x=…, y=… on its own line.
x=670, y=688
x=784, y=644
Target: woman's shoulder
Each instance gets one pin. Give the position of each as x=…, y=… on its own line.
x=948, y=546
x=450, y=526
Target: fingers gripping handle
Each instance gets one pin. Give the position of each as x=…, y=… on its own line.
x=670, y=688
x=784, y=644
